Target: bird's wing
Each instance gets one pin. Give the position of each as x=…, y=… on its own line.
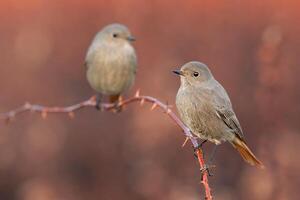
x=224, y=110
x=229, y=118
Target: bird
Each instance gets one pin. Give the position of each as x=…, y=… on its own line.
x=111, y=62
x=205, y=108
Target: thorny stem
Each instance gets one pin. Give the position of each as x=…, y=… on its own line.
x=70, y=110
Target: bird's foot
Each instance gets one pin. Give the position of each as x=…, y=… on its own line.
x=117, y=101
x=206, y=169
x=117, y=108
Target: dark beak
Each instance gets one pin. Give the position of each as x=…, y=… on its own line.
x=178, y=72
x=131, y=38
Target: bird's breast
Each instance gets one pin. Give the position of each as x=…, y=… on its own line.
x=111, y=70
x=198, y=114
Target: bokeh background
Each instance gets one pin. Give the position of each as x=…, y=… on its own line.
x=252, y=47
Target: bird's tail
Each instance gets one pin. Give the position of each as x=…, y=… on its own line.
x=246, y=153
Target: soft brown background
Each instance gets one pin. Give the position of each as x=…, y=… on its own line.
x=252, y=47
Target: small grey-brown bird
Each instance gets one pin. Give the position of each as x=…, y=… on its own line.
x=206, y=110
x=111, y=62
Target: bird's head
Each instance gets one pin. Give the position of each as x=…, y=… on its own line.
x=116, y=33
x=194, y=73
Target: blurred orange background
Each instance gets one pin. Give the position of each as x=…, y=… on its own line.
x=252, y=47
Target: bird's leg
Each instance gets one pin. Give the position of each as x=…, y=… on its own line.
x=213, y=153
x=185, y=141
x=99, y=101
x=206, y=167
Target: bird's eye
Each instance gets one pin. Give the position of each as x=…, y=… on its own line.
x=195, y=74
x=115, y=35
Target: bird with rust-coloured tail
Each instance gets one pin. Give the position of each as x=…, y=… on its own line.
x=111, y=62
x=205, y=108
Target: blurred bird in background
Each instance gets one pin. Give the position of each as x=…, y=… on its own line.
x=111, y=63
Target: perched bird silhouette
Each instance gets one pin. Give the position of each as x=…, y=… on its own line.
x=111, y=62
x=206, y=110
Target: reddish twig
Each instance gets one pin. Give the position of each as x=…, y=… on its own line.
x=205, y=175
x=44, y=110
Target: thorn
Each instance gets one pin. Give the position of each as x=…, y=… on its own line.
x=166, y=108
x=153, y=106
x=11, y=115
x=168, y=111
x=185, y=141
x=71, y=115
x=120, y=99
x=44, y=114
x=142, y=102
x=27, y=105
x=137, y=94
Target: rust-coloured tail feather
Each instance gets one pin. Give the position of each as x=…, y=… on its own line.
x=114, y=98
x=246, y=153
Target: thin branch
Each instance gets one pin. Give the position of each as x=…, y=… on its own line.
x=70, y=110
x=205, y=175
